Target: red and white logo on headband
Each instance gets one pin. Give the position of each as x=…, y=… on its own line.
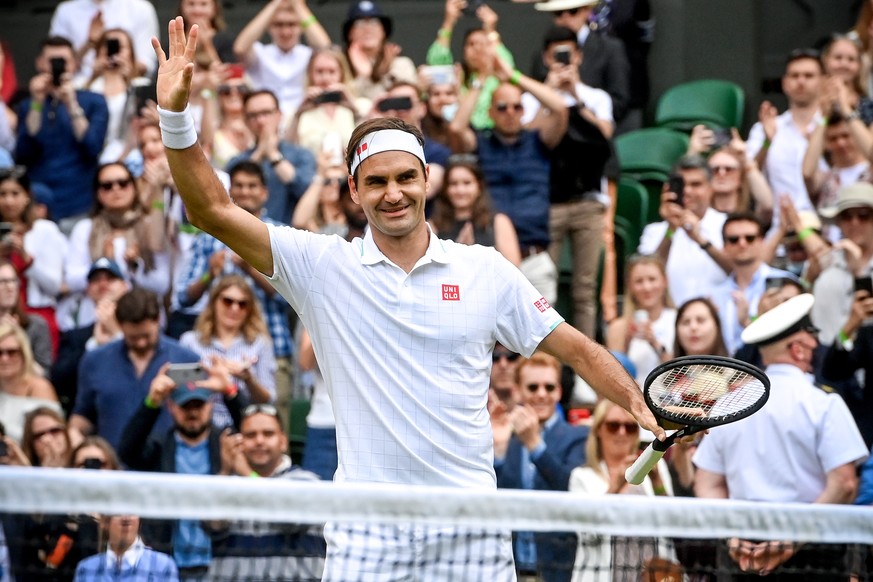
x=387, y=140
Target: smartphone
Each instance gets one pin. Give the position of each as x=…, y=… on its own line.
x=5, y=229
x=561, y=55
x=144, y=90
x=328, y=97
x=58, y=67
x=92, y=463
x=394, y=104
x=472, y=6
x=864, y=284
x=113, y=47
x=721, y=138
x=676, y=184
x=774, y=283
x=441, y=74
x=186, y=373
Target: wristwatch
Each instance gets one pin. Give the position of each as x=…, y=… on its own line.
x=705, y=245
x=279, y=157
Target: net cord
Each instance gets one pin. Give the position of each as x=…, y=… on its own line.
x=50, y=491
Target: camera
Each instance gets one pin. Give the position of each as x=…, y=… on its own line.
x=328, y=97
x=113, y=47
x=561, y=55
x=676, y=184
x=394, y=104
x=58, y=67
x=864, y=284
x=92, y=463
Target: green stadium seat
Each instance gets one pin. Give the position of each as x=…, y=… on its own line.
x=297, y=428
x=712, y=102
x=633, y=207
x=649, y=154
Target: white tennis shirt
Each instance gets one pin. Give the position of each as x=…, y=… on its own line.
x=407, y=356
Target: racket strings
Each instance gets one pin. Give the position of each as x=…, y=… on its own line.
x=701, y=391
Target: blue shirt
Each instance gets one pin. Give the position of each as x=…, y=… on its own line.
x=274, y=306
x=148, y=566
x=517, y=175
x=283, y=197
x=57, y=159
x=109, y=392
x=191, y=545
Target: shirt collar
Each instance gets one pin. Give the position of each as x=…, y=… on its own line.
x=130, y=558
x=370, y=253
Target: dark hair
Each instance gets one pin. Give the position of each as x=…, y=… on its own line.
x=443, y=211
x=28, y=440
x=744, y=216
x=18, y=174
x=559, y=34
x=376, y=125
x=800, y=54
x=101, y=443
x=719, y=348
x=465, y=68
x=249, y=96
x=138, y=305
x=693, y=162
x=247, y=167
x=95, y=186
x=56, y=41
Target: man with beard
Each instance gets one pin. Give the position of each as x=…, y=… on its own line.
x=190, y=447
x=115, y=378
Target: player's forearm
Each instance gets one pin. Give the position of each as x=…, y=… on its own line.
x=201, y=191
x=841, y=486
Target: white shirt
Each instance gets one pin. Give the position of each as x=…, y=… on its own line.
x=597, y=100
x=834, y=290
x=407, y=356
x=641, y=352
x=45, y=243
x=283, y=73
x=691, y=272
x=783, y=452
x=138, y=18
x=784, y=164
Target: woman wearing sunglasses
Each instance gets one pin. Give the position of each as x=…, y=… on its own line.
x=232, y=136
x=124, y=228
x=612, y=447
x=46, y=441
x=232, y=329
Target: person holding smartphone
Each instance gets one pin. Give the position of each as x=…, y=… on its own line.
x=61, y=133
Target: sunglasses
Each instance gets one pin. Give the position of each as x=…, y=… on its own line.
x=267, y=409
x=92, y=463
x=55, y=430
x=10, y=353
x=570, y=11
x=734, y=239
x=725, y=169
x=109, y=184
x=503, y=107
x=509, y=356
x=533, y=388
x=862, y=214
x=612, y=427
x=225, y=90
x=230, y=302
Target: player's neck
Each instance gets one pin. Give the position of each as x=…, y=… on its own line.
x=404, y=251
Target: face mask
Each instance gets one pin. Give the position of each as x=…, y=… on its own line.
x=449, y=111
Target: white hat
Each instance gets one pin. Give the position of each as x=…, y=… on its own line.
x=857, y=195
x=782, y=321
x=555, y=5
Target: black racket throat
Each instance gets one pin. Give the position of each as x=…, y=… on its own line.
x=668, y=442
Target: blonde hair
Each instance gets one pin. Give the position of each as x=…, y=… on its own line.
x=636, y=260
x=744, y=197
x=538, y=359
x=593, y=451
x=29, y=363
x=254, y=324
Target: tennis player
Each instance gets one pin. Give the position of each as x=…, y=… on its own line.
x=403, y=325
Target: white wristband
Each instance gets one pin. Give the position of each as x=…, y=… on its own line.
x=177, y=129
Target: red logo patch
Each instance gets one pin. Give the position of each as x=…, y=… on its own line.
x=451, y=293
x=541, y=304
x=362, y=148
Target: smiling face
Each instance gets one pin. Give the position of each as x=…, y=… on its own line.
x=462, y=189
x=200, y=12
x=618, y=433
x=285, y=29
x=697, y=329
x=842, y=60
x=392, y=190
x=115, y=190
x=232, y=308
x=11, y=358
x=726, y=172
x=264, y=443
x=248, y=192
x=648, y=286
x=540, y=388
x=325, y=71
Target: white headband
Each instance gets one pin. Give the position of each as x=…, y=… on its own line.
x=386, y=140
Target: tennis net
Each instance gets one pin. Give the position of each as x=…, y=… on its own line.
x=265, y=529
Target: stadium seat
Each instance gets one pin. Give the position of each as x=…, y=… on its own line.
x=297, y=428
x=714, y=103
x=649, y=154
x=633, y=208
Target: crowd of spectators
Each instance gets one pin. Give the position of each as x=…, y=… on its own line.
x=105, y=284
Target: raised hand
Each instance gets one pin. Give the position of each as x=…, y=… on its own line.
x=175, y=72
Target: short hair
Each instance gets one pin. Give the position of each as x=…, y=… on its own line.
x=247, y=167
x=56, y=41
x=378, y=124
x=559, y=34
x=138, y=305
x=800, y=54
x=744, y=216
x=538, y=359
x=693, y=162
x=249, y=96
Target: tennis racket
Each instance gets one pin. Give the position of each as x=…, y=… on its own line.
x=693, y=393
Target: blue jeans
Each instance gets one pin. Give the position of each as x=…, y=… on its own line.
x=319, y=452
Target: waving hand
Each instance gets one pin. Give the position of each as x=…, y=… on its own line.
x=175, y=71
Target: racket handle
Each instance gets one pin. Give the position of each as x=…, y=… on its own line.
x=644, y=463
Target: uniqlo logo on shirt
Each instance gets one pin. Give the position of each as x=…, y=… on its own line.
x=451, y=293
x=541, y=304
